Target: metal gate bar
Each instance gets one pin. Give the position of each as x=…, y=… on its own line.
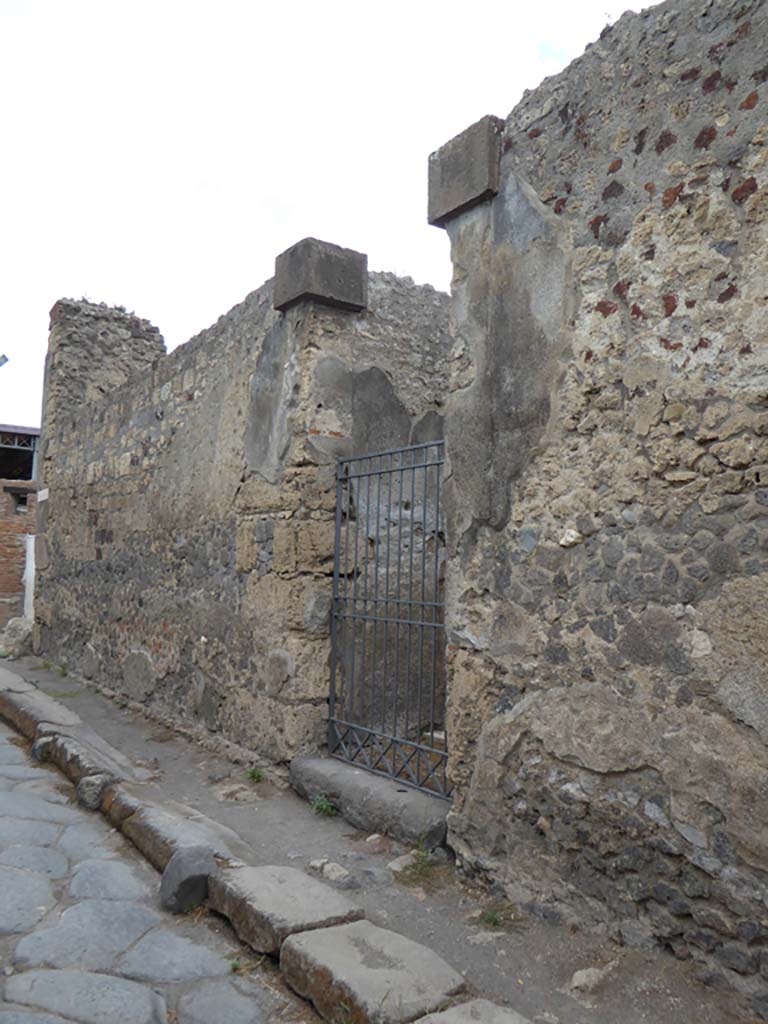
x=387, y=703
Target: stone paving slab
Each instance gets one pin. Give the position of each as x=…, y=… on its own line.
x=477, y=1011
x=267, y=904
x=90, y=934
x=12, y=755
x=376, y=974
x=36, y=858
x=164, y=956
x=17, y=830
x=107, y=880
x=90, y=998
x=25, y=897
x=28, y=806
x=223, y=1002
x=88, y=840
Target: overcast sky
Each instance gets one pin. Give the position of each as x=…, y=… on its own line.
x=158, y=154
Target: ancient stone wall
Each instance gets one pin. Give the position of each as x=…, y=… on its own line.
x=607, y=440
x=187, y=541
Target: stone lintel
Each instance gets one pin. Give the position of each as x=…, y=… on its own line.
x=465, y=171
x=317, y=270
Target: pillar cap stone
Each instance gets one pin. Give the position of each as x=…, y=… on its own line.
x=465, y=171
x=317, y=270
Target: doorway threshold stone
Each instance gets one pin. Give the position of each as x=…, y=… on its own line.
x=373, y=803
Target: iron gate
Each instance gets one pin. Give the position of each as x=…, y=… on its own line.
x=387, y=708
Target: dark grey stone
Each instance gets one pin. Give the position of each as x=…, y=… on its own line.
x=723, y=558
x=612, y=550
x=372, y=803
x=465, y=171
x=737, y=958
x=184, y=884
x=528, y=538
x=317, y=270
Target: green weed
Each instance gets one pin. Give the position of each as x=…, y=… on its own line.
x=320, y=804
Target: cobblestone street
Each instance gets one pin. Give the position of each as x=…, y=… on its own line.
x=82, y=935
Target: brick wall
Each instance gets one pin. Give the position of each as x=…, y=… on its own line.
x=14, y=525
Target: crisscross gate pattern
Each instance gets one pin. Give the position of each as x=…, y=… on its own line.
x=387, y=709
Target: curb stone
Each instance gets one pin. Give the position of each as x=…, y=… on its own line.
x=158, y=831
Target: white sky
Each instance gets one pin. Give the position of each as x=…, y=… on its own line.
x=158, y=154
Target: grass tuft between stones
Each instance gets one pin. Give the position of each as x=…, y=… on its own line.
x=320, y=804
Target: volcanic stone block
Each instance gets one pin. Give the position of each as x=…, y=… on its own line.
x=267, y=904
x=184, y=884
x=465, y=171
x=378, y=975
x=319, y=270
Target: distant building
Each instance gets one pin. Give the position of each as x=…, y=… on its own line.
x=18, y=467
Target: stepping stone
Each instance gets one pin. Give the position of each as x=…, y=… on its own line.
x=90, y=935
x=25, y=898
x=14, y=832
x=378, y=975
x=267, y=904
x=36, y=858
x=478, y=1011
x=107, y=880
x=26, y=805
x=163, y=957
x=219, y=1002
x=88, y=998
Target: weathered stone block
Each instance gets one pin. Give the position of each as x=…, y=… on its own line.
x=377, y=974
x=465, y=171
x=372, y=802
x=267, y=904
x=317, y=270
x=303, y=545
